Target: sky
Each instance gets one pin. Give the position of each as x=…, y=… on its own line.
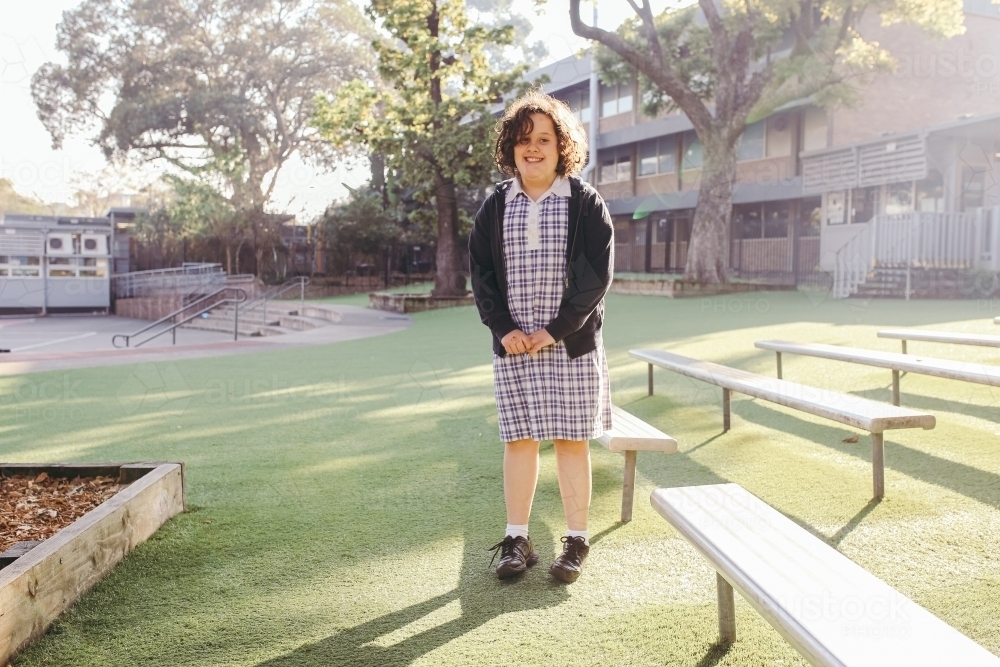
x=27, y=40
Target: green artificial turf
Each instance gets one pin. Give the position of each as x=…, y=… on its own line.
x=342, y=498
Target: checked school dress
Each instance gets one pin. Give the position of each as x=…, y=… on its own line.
x=548, y=396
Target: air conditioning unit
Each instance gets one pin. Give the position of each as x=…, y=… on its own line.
x=93, y=245
x=59, y=244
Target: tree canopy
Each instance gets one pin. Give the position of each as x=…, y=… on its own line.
x=430, y=112
x=221, y=89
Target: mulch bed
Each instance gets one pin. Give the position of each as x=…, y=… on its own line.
x=36, y=508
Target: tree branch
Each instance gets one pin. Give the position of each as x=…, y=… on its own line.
x=657, y=69
x=649, y=27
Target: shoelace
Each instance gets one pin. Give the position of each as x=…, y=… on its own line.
x=572, y=548
x=504, y=547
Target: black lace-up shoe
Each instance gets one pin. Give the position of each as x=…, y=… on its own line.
x=568, y=566
x=516, y=555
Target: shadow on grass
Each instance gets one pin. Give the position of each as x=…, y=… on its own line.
x=716, y=653
x=920, y=402
x=855, y=521
x=972, y=482
x=481, y=598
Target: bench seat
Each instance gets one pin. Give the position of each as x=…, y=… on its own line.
x=855, y=411
x=898, y=363
x=954, y=337
x=831, y=610
x=629, y=435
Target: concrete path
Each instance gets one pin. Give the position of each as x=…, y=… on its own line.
x=59, y=342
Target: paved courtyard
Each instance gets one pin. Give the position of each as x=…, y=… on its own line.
x=57, y=342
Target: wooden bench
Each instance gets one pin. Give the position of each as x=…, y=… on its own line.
x=630, y=435
x=953, y=337
x=862, y=413
x=906, y=363
x=827, y=607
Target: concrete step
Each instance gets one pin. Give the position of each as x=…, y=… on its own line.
x=226, y=326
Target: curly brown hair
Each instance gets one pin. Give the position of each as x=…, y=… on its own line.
x=516, y=124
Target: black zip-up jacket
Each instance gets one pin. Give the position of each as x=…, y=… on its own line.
x=589, y=267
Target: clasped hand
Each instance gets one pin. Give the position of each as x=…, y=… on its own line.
x=518, y=342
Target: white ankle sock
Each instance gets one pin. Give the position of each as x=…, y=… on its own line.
x=517, y=530
x=585, y=534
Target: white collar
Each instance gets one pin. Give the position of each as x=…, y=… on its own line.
x=560, y=187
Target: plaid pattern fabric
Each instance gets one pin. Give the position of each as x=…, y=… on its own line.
x=549, y=396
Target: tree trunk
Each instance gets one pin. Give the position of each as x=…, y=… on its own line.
x=449, y=279
x=708, y=249
x=229, y=259
x=239, y=249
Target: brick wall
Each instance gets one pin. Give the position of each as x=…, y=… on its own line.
x=936, y=81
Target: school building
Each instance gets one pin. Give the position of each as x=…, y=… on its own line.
x=904, y=181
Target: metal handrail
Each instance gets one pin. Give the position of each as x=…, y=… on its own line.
x=240, y=297
x=273, y=293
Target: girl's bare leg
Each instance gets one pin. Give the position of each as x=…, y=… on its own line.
x=520, y=476
x=573, y=467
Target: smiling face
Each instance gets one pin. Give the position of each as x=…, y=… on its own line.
x=536, y=155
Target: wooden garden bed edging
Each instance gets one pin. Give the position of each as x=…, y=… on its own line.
x=47, y=580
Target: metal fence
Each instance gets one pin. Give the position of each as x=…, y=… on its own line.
x=191, y=278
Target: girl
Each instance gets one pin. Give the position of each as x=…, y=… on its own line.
x=541, y=259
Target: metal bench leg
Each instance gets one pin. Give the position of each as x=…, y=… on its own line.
x=778, y=356
x=725, y=410
x=727, y=611
x=878, y=466
x=628, y=488
x=895, y=387
x=650, y=379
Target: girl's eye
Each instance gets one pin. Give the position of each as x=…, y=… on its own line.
x=523, y=141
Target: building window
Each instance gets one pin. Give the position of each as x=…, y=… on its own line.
x=579, y=103
x=657, y=156
x=752, y=142
x=973, y=187
x=616, y=98
x=621, y=234
x=811, y=211
x=836, y=208
x=930, y=192
x=747, y=223
x=640, y=233
x=864, y=204
x=692, y=152
x=899, y=198
x=776, y=217
x=761, y=221
x=616, y=164
x=662, y=232
x=23, y=266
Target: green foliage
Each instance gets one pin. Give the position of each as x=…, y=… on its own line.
x=431, y=117
x=198, y=210
x=12, y=201
x=221, y=89
x=361, y=224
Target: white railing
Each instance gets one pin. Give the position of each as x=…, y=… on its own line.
x=918, y=240
x=926, y=240
x=852, y=264
x=188, y=279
